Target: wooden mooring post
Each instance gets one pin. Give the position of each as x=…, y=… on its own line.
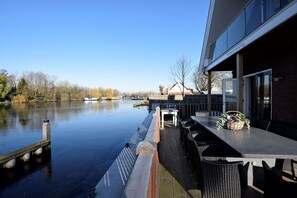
x=46, y=131
x=9, y=160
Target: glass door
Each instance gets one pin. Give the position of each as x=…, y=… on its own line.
x=229, y=94
x=260, y=96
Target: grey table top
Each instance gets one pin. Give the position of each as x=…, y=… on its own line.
x=253, y=142
x=169, y=110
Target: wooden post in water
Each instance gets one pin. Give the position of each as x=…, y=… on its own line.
x=46, y=131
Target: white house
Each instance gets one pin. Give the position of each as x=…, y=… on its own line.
x=179, y=89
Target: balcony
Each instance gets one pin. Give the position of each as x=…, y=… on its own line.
x=255, y=13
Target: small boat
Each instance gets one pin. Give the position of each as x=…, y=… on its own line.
x=90, y=99
x=116, y=98
x=137, y=98
x=111, y=98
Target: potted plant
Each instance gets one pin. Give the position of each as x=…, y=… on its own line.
x=233, y=120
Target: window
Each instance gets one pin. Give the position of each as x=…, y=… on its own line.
x=253, y=16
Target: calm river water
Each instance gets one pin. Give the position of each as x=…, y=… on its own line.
x=85, y=140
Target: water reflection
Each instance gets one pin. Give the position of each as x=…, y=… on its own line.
x=4, y=115
x=85, y=140
x=30, y=116
x=23, y=169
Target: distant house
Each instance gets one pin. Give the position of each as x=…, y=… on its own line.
x=179, y=89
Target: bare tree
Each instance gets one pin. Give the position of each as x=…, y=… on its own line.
x=180, y=71
x=101, y=92
x=115, y=92
x=38, y=84
x=94, y=93
x=63, y=91
x=200, y=80
x=108, y=92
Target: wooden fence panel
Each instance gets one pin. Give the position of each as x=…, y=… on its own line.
x=188, y=110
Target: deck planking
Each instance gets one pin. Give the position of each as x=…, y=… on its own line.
x=175, y=178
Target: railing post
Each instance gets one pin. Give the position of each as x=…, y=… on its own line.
x=157, y=114
x=209, y=93
x=150, y=148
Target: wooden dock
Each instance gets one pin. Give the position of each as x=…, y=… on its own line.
x=21, y=152
x=139, y=104
x=24, y=154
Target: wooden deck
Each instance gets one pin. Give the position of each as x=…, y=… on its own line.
x=175, y=178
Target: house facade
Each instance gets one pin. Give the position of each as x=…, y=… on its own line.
x=179, y=89
x=257, y=41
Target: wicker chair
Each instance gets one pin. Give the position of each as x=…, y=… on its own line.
x=183, y=124
x=207, y=151
x=195, y=128
x=293, y=169
x=276, y=186
x=286, y=167
x=204, y=138
x=261, y=124
x=191, y=145
x=221, y=179
x=180, y=125
x=192, y=155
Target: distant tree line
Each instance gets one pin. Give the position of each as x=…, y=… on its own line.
x=38, y=86
x=101, y=92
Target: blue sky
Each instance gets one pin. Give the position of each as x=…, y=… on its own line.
x=128, y=45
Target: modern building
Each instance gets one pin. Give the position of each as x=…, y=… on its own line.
x=257, y=41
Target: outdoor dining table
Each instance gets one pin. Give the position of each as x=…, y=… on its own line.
x=252, y=145
x=169, y=111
